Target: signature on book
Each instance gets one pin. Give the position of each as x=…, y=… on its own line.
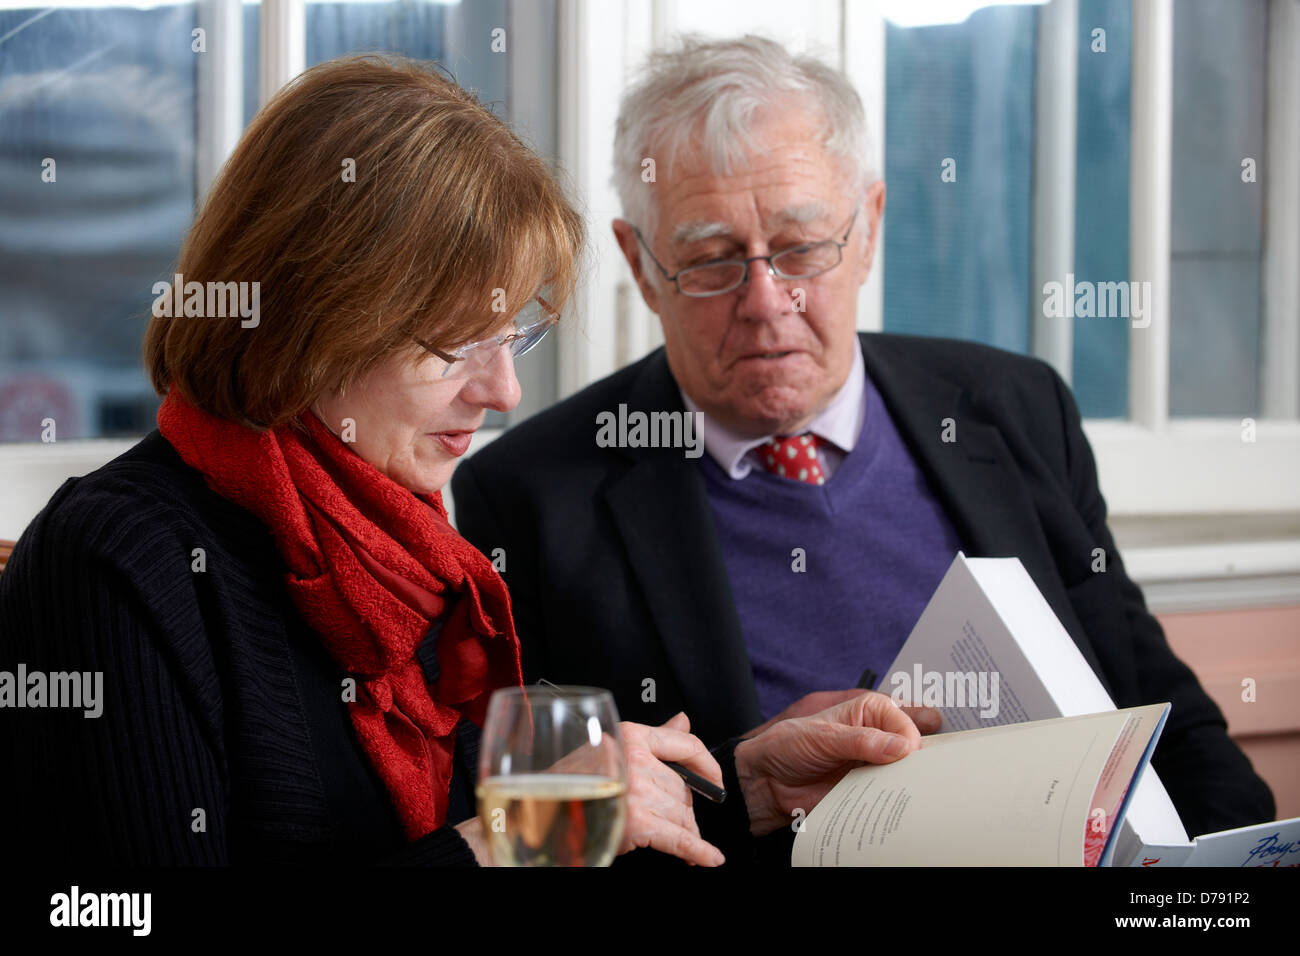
x=1272, y=852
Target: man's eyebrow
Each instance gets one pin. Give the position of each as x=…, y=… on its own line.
x=801, y=215
x=698, y=230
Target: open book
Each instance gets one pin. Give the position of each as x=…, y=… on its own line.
x=1046, y=793
x=988, y=651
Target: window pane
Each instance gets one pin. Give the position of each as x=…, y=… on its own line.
x=252, y=57
x=98, y=108
x=412, y=27
x=1101, y=207
x=957, y=253
x=1217, y=227
x=516, y=80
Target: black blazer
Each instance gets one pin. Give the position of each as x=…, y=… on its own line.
x=617, y=578
x=216, y=695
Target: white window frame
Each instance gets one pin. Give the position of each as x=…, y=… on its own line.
x=1155, y=465
x=1150, y=466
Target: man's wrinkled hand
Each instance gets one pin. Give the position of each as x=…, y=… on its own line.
x=809, y=704
x=795, y=761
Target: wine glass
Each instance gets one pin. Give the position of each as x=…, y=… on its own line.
x=552, y=787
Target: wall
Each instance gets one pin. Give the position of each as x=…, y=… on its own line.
x=1226, y=647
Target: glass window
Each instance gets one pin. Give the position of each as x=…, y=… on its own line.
x=1101, y=208
x=1217, y=219
x=113, y=97
x=98, y=108
x=957, y=253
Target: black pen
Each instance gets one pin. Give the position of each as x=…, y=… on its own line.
x=708, y=791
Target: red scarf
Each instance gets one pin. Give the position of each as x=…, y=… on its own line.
x=371, y=566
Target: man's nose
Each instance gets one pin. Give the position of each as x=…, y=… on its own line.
x=763, y=295
x=494, y=386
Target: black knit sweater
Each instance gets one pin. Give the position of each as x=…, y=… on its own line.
x=224, y=737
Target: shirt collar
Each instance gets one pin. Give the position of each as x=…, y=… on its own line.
x=839, y=423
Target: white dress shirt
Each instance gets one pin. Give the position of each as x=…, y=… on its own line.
x=839, y=423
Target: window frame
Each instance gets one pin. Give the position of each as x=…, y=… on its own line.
x=1149, y=465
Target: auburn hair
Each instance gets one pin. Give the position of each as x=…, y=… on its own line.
x=375, y=201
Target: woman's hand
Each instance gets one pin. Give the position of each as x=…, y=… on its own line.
x=659, y=810
x=471, y=831
x=794, y=762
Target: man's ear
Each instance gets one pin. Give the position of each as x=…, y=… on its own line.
x=631, y=248
x=873, y=207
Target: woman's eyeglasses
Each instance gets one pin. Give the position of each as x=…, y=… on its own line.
x=531, y=326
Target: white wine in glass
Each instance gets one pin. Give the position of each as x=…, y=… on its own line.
x=552, y=785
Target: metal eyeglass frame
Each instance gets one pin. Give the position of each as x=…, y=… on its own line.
x=744, y=275
x=484, y=346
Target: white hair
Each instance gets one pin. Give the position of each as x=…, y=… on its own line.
x=703, y=94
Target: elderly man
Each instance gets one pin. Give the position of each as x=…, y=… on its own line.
x=842, y=471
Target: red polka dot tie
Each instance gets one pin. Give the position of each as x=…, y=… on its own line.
x=794, y=457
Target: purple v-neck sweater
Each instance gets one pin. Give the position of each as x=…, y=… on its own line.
x=874, y=542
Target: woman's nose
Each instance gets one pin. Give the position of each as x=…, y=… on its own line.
x=494, y=386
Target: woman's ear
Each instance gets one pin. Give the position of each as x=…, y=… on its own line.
x=328, y=399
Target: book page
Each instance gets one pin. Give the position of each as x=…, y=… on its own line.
x=1016, y=795
x=1267, y=844
x=1109, y=802
x=961, y=659
x=1274, y=844
x=964, y=657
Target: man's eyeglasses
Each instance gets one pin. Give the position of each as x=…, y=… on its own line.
x=531, y=326
x=723, y=275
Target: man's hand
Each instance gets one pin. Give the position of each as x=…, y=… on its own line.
x=797, y=760
x=809, y=704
